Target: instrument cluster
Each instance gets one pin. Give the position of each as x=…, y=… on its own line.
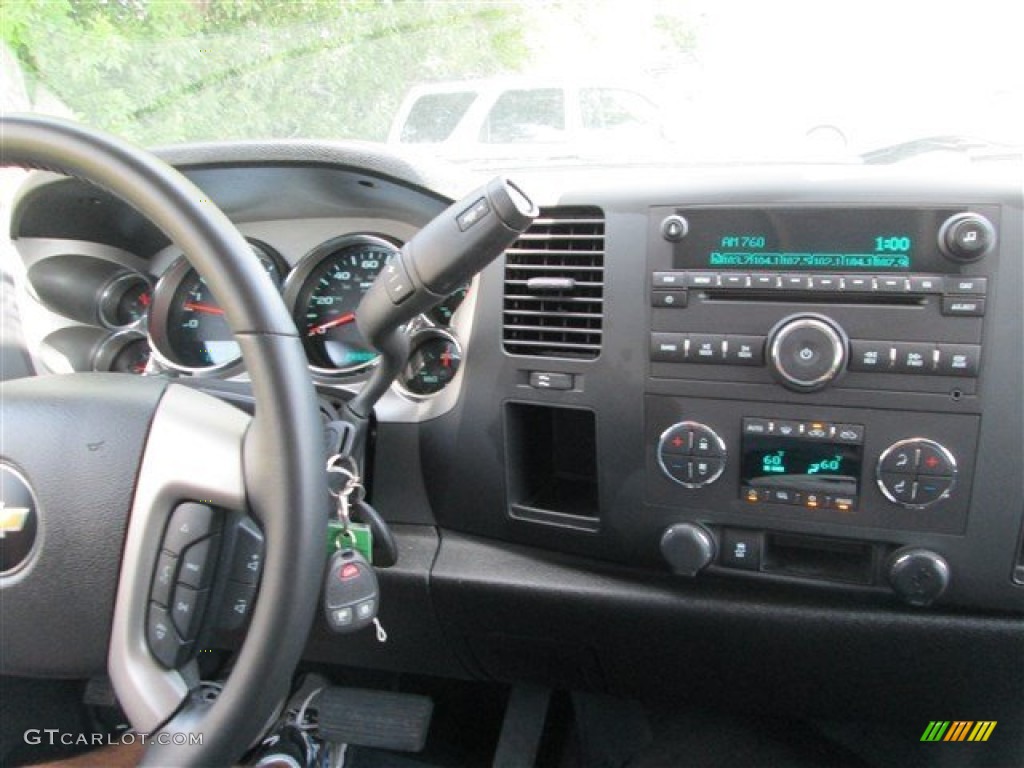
x=189, y=334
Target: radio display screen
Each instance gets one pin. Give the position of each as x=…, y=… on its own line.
x=822, y=240
x=799, y=464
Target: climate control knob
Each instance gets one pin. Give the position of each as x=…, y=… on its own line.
x=691, y=453
x=916, y=473
x=966, y=237
x=806, y=352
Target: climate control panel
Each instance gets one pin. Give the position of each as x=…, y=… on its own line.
x=872, y=468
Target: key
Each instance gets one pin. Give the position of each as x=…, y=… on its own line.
x=357, y=536
x=351, y=594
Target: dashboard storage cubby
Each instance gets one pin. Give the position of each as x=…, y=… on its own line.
x=552, y=465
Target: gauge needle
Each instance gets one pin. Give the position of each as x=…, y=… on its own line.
x=207, y=308
x=345, y=319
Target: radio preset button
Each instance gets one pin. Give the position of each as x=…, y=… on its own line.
x=730, y=280
x=859, y=284
x=889, y=284
x=765, y=282
x=796, y=282
x=825, y=282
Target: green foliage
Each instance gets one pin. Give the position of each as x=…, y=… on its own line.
x=162, y=71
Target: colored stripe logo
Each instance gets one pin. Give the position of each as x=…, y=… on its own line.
x=958, y=730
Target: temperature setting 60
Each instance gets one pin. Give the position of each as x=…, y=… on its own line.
x=691, y=453
x=916, y=473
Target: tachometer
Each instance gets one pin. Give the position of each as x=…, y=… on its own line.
x=187, y=326
x=324, y=291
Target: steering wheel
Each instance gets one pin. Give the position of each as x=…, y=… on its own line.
x=101, y=462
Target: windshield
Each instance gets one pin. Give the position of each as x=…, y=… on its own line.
x=539, y=81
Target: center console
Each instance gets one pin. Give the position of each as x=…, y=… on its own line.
x=849, y=341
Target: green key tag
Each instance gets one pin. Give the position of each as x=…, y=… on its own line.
x=359, y=538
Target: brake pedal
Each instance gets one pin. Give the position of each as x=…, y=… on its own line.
x=394, y=721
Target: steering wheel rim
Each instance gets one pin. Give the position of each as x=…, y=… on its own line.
x=279, y=462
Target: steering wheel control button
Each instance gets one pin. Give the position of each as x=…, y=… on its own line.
x=163, y=579
x=164, y=643
x=190, y=522
x=691, y=453
x=197, y=563
x=674, y=228
x=966, y=237
x=688, y=548
x=916, y=473
x=919, y=576
x=247, y=560
x=806, y=353
x=237, y=605
x=351, y=593
x=187, y=610
x=741, y=549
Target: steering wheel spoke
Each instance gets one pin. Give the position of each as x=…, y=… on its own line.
x=193, y=454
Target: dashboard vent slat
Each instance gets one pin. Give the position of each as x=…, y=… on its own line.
x=562, y=244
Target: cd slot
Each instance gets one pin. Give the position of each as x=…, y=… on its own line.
x=797, y=297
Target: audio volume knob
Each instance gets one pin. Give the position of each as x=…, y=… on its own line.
x=918, y=575
x=689, y=548
x=806, y=352
x=966, y=237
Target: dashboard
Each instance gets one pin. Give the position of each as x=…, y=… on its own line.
x=743, y=418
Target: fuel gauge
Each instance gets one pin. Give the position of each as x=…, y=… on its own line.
x=434, y=361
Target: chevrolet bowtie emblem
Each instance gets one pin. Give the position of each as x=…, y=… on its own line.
x=12, y=519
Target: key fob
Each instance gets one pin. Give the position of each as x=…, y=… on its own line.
x=351, y=594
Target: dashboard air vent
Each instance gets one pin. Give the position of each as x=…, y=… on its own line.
x=554, y=286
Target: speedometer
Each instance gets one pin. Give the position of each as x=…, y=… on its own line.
x=324, y=291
